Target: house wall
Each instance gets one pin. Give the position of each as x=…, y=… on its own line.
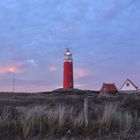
x=128, y=88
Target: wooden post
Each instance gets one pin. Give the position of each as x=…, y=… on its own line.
x=86, y=111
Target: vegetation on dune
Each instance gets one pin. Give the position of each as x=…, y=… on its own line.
x=108, y=117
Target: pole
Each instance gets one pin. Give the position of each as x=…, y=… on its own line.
x=14, y=81
x=86, y=111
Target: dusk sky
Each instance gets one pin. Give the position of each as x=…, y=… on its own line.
x=103, y=35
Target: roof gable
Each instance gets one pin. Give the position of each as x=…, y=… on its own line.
x=128, y=86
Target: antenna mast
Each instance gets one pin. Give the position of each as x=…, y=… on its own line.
x=14, y=81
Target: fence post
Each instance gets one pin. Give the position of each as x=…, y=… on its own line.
x=86, y=111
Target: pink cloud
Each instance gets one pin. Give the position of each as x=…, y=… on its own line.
x=10, y=69
x=52, y=69
x=80, y=73
x=7, y=70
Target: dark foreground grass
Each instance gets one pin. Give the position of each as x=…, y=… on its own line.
x=53, y=116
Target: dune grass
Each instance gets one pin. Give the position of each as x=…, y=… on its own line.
x=106, y=118
x=62, y=120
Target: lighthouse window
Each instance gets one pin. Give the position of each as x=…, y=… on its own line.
x=127, y=84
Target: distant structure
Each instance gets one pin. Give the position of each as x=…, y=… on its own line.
x=109, y=89
x=13, y=71
x=68, y=70
x=128, y=87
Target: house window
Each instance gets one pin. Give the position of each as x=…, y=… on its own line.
x=127, y=84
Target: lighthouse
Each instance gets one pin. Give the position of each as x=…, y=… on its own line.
x=68, y=70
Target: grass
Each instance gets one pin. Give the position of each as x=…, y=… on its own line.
x=63, y=117
x=44, y=121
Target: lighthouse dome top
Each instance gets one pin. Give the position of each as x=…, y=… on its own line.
x=68, y=55
x=68, y=52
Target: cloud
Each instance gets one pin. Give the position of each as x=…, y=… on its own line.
x=17, y=67
x=30, y=62
x=113, y=8
x=10, y=69
x=52, y=69
x=80, y=73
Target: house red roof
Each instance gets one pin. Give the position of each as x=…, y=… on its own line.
x=108, y=88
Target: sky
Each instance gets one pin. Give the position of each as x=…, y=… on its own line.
x=103, y=35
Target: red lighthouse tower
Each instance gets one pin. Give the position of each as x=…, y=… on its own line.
x=68, y=70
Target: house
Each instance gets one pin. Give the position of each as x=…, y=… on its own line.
x=109, y=89
x=128, y=87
